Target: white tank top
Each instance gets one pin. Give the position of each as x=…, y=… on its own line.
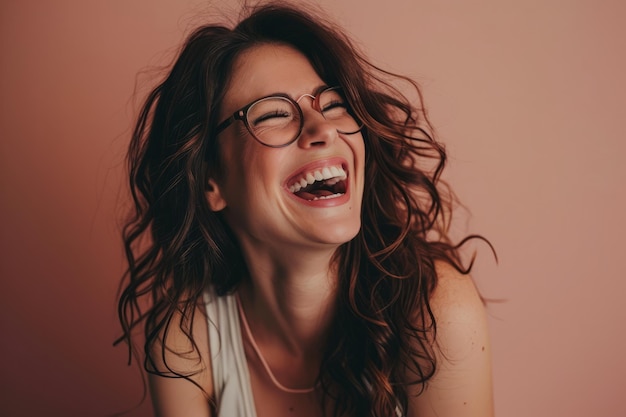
x=231, y=380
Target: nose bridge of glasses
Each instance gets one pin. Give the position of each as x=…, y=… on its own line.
x=313, y=100
x=315, y=104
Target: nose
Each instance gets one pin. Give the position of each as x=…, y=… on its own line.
x=316, y=131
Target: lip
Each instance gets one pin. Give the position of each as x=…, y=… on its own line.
x=312, y=166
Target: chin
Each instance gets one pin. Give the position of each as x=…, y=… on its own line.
x=340, y=234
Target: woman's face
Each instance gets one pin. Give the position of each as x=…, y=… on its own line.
x=256, y=191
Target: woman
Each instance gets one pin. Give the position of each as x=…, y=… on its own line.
x=290, y=236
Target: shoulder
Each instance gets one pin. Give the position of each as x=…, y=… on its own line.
x=455, y=298
x=183, y=349
x=462, y=384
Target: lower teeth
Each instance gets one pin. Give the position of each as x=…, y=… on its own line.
x=326, y=197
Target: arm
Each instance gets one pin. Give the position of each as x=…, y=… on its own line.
x=176, y=397
x=461, y=386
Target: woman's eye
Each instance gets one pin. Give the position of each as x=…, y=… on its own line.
x=277, y=116
x=334, y=104
x=336, y=108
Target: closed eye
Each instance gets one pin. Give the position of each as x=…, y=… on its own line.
x=335, y=109
x=277, y=117
x=334, y=104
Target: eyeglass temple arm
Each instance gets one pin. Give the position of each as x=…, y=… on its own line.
x=238, y=115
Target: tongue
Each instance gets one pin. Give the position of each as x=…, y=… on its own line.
x=312, y=194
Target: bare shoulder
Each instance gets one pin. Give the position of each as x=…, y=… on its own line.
x=175, y=354
x=455, y=297
x=462, y=384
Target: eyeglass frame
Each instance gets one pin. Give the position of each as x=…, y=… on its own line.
x=242, y=114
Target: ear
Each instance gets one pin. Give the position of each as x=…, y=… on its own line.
x=214, y=196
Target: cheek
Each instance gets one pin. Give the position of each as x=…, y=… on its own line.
x=357, y=144
x=255, y=172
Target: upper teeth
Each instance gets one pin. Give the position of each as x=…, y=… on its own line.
x=321, y=174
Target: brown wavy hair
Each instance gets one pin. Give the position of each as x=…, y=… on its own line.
x=177, y=247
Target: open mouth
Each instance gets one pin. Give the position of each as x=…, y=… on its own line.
x=320, y=184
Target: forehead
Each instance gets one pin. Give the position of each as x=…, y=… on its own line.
x=267, y=69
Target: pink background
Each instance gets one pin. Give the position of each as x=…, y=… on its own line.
x=529, y=96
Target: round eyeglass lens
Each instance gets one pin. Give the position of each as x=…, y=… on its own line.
x=334, y=107
x=274, y=121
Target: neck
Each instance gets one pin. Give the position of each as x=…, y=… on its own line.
x=291, y=299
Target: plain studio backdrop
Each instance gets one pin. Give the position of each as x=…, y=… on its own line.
x=529, y=97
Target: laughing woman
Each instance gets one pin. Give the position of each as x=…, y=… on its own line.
x=287, y=252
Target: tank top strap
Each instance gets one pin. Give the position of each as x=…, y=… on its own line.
x=231, y=379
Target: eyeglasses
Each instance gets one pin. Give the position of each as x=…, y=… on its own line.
x=277, y=120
